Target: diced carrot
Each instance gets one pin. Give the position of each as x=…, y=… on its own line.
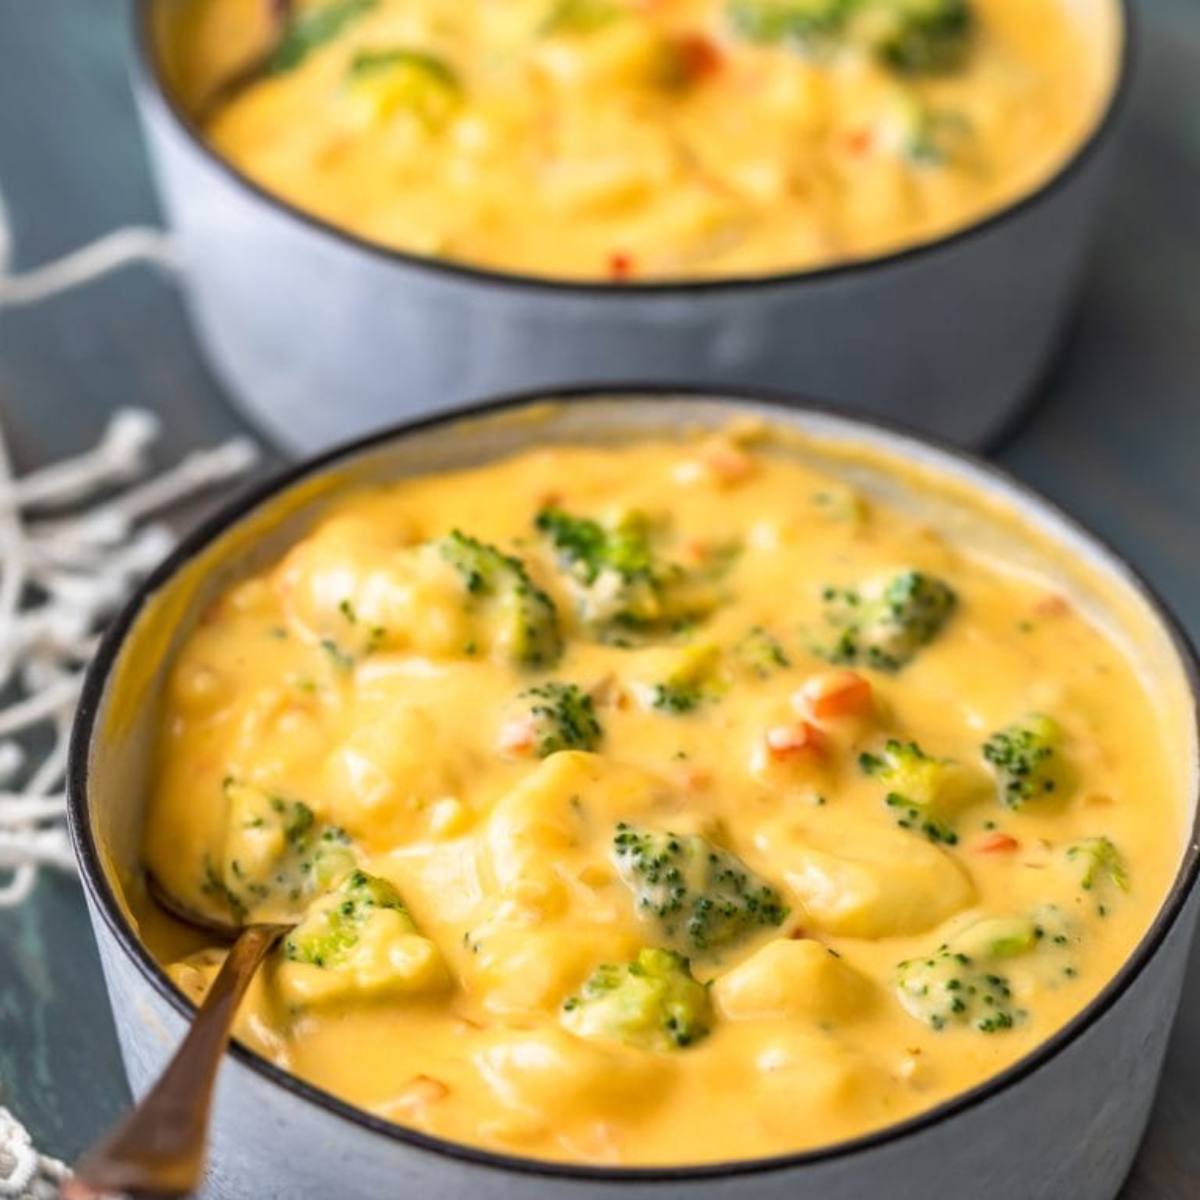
x=620, y=265
x=997, y=843
x=420, y=1092
x=858, y=141
x=729, y=464
x=693, y=778
x=697, y=57
x=1052, y=605
x=516, y=736
x=790, y=741
x=834, y=694
x=608, y=693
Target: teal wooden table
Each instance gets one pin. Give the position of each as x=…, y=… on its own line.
x=1115, y=438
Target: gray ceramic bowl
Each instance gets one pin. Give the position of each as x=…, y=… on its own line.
x=1061, y=1124
x=320, y=335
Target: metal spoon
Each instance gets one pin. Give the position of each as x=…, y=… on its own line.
x=158, y=1149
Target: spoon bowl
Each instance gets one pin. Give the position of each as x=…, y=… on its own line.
x=223, y=931
x=158, y=1149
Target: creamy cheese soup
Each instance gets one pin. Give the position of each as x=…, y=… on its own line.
x=665, y=803
x=647, y=139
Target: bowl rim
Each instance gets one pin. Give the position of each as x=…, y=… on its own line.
x=149, y=81
x=980, y=472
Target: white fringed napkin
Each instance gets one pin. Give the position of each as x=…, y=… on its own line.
x=75, y=538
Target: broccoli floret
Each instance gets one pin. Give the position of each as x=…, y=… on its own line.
x=619, y=582
x=564, y=718
x=912, y=37
x=1099, y=863
x=841, y=503
x=698, y=898
x=694, y=680
x=998, y=937
x=961, y=982
x=652, y=1002
x=529, y=620
x=331, y=930
x=1059, y=937
x=677, y=697
x=950, y=988
x=918, y=37
x=924, y=793
x=276, y=853
x=884, y=626
x=579, y=16
x=399, y=78
x=761, y=654
x=809, y=25
x=933, y=137
x=309, y=30
x=590, y=549
x=1028, y=761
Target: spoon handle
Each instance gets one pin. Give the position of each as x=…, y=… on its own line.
x=158, y=1149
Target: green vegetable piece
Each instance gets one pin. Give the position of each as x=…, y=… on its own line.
x=1054, y=930
x=694, y=681
x=919, y=37
x=925, y=794
x=653, y=1003
x=310, y=30
x=1028, y=761
x=564, y=718
x=528, y=619
x=911, y=37
x=677, y=698
x=1099, y=863
x=579, y=17
x=619, y=583
x=340, y=658
x=590, y=549
x=808, y=25
x=761, y=654
x=950, y=988
x=960, y=983
x=329, y=932
x=276, y=853
x=998, y=937
x=403, y=78
x=935, y=137
x=696, y=897
x=884, y=626
x=838, y=502
x=367, y=63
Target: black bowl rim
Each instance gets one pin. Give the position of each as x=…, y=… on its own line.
x=148, y=80
x=106, y=904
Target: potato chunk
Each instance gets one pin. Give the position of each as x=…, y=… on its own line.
x=799, y=1073
x=356, y=586
x=358, y=942
x=527, y=972
x=856, y=878
x=552, y=1080
x=792, y=979
x=395, y=763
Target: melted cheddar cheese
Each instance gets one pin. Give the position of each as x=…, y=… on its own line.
x=669, y=803
x=623, y=139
